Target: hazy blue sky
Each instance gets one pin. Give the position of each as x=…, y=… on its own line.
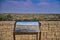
x=29, y=6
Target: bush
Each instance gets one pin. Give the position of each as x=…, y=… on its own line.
x=8, y=17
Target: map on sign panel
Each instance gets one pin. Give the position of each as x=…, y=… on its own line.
x=27, y=27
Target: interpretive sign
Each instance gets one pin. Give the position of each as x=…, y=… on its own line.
x=27, y=27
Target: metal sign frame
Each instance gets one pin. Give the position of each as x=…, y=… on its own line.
x=37, y=33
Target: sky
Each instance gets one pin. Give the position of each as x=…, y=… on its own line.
x=27, y=23
x=30, y=6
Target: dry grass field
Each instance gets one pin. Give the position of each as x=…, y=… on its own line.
x=50, y=30
x=50, y=26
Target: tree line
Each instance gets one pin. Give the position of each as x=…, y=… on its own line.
x=10, y=17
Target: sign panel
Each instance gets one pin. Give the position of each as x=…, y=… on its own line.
x=27, y=27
